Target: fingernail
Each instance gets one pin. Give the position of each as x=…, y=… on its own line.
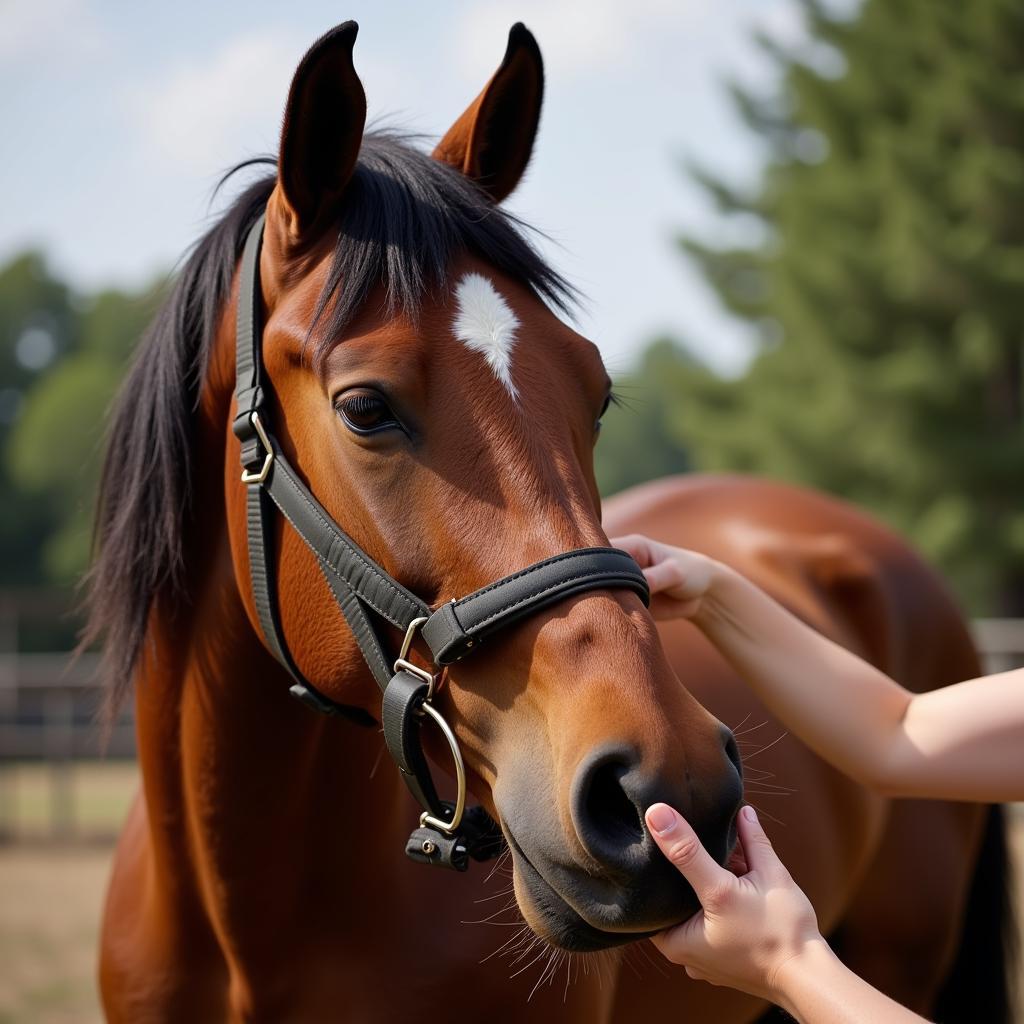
x=661, y=818
x=750, y=814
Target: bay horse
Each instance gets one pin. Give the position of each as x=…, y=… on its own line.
x=422, y=384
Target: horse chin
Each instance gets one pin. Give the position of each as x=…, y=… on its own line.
x=552, y=918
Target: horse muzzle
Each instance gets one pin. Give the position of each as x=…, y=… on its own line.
x=607, y=883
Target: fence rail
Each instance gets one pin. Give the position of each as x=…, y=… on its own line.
x=48, y=704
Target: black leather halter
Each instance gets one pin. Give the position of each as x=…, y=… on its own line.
x=367, y=596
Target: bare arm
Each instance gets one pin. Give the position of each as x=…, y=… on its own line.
x=961, y=742
x=817, y=986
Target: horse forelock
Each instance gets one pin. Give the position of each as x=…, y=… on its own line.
x=405, y=219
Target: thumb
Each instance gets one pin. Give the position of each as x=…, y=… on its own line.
x=681, y=845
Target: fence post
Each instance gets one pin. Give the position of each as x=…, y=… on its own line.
x=60, y=736
x=9, y=627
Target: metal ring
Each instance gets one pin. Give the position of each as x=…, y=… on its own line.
x=258, y=478
x=426, y=818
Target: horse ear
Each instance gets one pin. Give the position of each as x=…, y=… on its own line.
x=322, y=131
x=492, y=141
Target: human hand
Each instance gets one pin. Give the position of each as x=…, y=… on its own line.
x=750, y=926
x=679, y=579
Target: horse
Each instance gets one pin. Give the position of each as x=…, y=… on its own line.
x=420, y=379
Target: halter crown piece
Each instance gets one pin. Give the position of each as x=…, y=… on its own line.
x=448, y=834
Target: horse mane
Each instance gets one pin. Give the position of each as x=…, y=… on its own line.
x=405, y=217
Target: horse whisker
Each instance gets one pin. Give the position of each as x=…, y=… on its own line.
x=544, y=949
x=496, y=895
x=657, y=963
x=498, y=864
x=376, y=763
x=508, y=942
x=490, y=920
x=753, y=728
x=767, y=746
x=771, y=817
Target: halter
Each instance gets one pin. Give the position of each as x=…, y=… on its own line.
x=448, y=834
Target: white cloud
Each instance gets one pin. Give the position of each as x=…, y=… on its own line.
x=577, y=36
x=206, y=115
x=32, y=30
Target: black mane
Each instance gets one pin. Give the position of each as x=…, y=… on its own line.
x=406, y=216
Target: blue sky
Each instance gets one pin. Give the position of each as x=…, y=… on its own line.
x=119, y=117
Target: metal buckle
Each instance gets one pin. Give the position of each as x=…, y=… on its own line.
x=258, y=478
x=403, y=664
x=426, y=818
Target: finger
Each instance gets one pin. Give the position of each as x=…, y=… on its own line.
x=636, y=545
x=680, y=844
x=664, y=576
x=737, y=863
x=758, y=851
x=678, y=943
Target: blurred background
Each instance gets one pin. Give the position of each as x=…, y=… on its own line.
x=798, y=225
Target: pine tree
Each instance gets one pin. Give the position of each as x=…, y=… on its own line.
x=888, y=285
x=639, y=432
x=61, y=359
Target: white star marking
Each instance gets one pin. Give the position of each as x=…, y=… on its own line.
x=486, y=324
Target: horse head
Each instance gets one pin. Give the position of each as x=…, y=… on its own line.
x=445, y=416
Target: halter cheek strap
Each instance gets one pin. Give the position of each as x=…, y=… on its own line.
x=369, y=597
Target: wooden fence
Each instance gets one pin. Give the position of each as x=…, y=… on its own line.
x=48, y=704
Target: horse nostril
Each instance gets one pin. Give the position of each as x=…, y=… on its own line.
x=732, y=751
x=609, y=822
x=608, y=809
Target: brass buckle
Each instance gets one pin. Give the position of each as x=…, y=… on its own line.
x=258, y=478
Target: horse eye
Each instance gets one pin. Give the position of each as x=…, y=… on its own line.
x=365, y=412
x=604, y=408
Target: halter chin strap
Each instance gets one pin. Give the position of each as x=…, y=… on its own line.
x=367, y=597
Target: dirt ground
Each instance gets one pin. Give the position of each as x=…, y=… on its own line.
x=50, y=901
x=51, y=892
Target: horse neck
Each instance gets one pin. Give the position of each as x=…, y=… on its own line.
x=241, y=782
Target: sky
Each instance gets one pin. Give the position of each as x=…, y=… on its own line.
x=119, y=119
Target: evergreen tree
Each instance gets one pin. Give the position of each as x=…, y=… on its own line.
x=888, y=285
x=61, y=360
x=640, y=431
x=38, y=325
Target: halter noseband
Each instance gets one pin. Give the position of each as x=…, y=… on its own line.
x=448, y=834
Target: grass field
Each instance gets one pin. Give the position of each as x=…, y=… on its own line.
x=51, y=895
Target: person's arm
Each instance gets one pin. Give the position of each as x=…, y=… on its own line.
x=960, y=742
x=758, y=933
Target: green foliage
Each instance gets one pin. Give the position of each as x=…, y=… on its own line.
x=54, y=455
x=640, y=431
x=61, y=359
x=640, y=436
x=888, y=285
x=37, y=325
